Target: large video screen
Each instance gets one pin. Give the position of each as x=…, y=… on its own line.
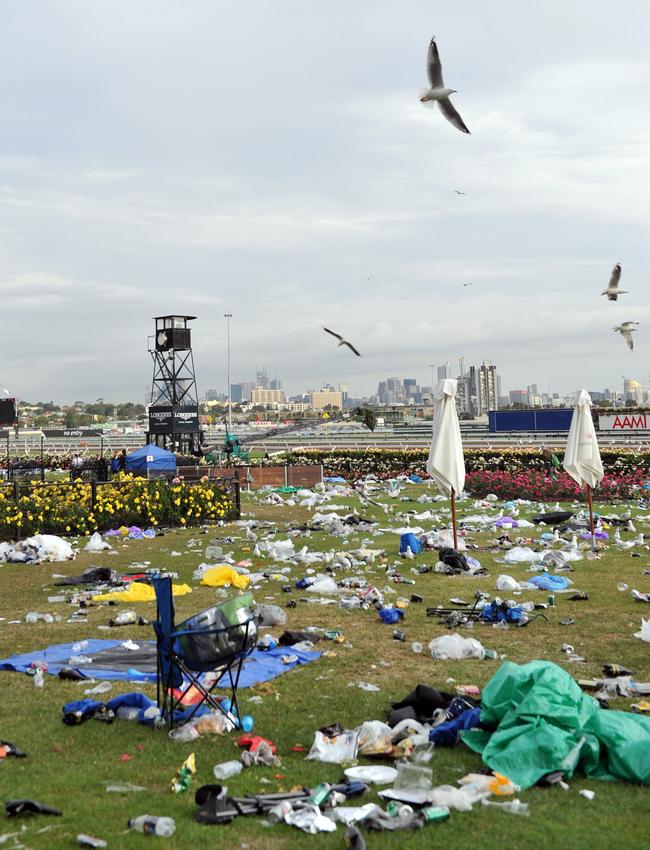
x=7, y=411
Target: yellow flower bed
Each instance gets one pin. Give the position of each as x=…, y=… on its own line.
x=56, y=508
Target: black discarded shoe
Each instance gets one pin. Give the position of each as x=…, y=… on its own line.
x=577, y=597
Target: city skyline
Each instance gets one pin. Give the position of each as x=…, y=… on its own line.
x=134, y=184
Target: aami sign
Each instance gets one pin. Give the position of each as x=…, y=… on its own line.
x=624, y=422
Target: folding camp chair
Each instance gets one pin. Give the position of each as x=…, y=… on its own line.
x=216, y=640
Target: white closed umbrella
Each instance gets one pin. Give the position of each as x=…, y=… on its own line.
x=582, y=455
x=446, y=464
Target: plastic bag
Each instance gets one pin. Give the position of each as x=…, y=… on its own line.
x=336, y=750
x=455, y=647
x=96, y=544
x=505, y=582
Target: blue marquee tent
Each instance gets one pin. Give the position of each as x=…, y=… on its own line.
x=151, y=459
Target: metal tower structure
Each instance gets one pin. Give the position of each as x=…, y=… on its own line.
x=174, y=409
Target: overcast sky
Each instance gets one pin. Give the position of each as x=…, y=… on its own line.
x=271, y=159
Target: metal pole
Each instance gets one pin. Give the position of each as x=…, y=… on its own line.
x=453, y=517
x=228, y=317
x=591, y=519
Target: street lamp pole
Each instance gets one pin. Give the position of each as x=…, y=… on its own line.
x=228, y=317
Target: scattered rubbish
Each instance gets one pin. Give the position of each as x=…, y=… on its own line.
x=151, y=825
x=587, y=794
x=91, y=842
x=227, y=769
x=17, y=808
x=183, y=778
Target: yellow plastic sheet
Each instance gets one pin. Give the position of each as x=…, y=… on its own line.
x=138, y=591
x=223, y=576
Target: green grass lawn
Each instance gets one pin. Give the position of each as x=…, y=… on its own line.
x=68, y=766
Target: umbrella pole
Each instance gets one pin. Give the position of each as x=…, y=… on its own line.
x=591, y=518
x=453, y=517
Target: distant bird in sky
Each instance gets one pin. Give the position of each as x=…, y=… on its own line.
x=612, y=292
x=437, y=91
x=457, y=191
x=342, y=341
x=467, y=284
x=626, y=330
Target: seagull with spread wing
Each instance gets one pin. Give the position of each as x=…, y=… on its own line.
x=612, y=292
x=626, y=330
x=438, y=92
x=342, y=341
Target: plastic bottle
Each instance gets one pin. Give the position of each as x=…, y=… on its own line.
x=417, y=647
x=78, y=660
x=152, y=825
x=227, y=769
x=32, y=617
x=38, y=678
x=124, y=618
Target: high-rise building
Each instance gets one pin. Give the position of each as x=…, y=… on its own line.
x=487, y=395
x=275, y=384
x=466, y=393
x=242, y=391
x=444, y=372
x=518, y=397
x=262, y=379
x=326, y=397
x=262, y=396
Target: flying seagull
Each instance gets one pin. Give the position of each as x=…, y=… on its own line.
x=457, y=191
x=626, y=330
x=437, y=91
x=342, y=341
x=612, y=292
x=467, y=284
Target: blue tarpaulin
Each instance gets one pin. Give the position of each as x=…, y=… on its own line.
x=151, y=458
x=258, y=667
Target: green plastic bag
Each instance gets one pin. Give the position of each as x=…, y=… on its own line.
x=540, y=721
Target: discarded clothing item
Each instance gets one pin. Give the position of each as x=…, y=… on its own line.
x=446, y=734
x=547, y=581
x=93, y=575
x=139, y=591
x=537, y=721
x=453, y=559
x=410, y=541
x=14, y=808
x=420, y=705
x=288, y=638
x=224, y=576
x=553, y=518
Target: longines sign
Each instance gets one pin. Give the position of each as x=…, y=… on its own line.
x=165, y=419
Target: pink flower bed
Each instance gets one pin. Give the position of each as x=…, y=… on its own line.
x=536, y=485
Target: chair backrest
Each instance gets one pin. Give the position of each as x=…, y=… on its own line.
x=164, y=628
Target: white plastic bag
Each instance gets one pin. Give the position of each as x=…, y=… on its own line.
x=96, y=544
x=455, y=647
x=335, y=750
x=505, y=582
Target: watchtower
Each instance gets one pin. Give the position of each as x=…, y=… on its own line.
x=174, y=409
